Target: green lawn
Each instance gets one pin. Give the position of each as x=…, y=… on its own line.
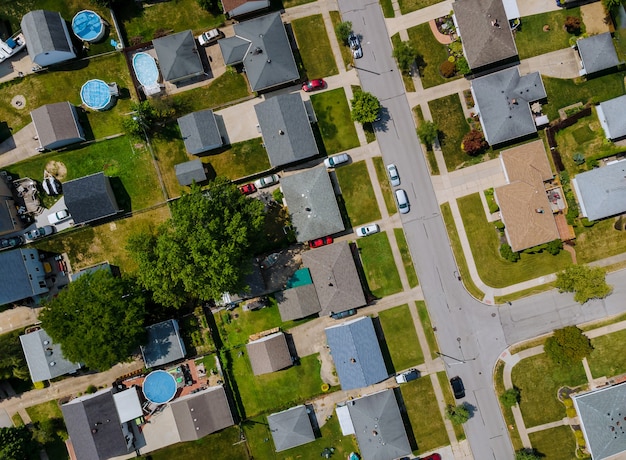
x=432, y=55
x=333, y=116
x=492, y=268
x=555, y=444
x=380, y=268
x=531, y=40
x=407, y=79
x=539, y=379
x=314, y=46
x=444, y=383
x=448, y=115
x=385, y=186
x=409, y=268
x=406, y=6
x=236, y=326
x=387, y=7
x=401, y=337
x=55, y=447
x=428, y=328
x=430, y=154
x=346, y=55
x=357, y=192
x=506, y=411
x=604, y=361
x=423, y=411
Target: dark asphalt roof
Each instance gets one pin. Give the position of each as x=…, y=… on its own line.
x=598, y=53
x=190, y=171
x=291, y=428
x=45, y=32
x=200, y=132
x=178, y=56
x=90, y=198
x=164, y=344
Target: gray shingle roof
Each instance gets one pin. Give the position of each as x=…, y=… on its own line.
x=291, y=428
x=200, y=132
x=268, y=59
x=90, y=198
x=200, y=414
x=298, y=302
x=40, y=352
x=57, y=125
x=269, y=354
x=597, y=53
x=378, y=426
x=503, y=100
x=286, y=129
x=612, y=117
x=603, y=418
x=485, y=42
x=335, y=277
x=163, y=345
x=356, y=353
x=602, y=192
x=312, y=204
x=15, y=283
x=45, y=32
x=178, y=56
x=190, y=171
x=9, y=222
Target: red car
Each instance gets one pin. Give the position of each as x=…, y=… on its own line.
x=313, y=85
x=247, y=189
x=432, y=457
x=320, y=242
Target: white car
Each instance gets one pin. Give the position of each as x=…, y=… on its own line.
x=394, y=178
x=40, y=232
x=335, y=160
x=266, y=181
x=58, y=216
x=403, y=201
x=355, y=46
x=367, y=230
x=210, y=36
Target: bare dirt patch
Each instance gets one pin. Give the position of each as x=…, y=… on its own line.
x=57, y=169
x=595, y=19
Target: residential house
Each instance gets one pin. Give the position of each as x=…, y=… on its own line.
x=312, y=204
x=262, y=47
x=376, y=422
x=189, y=172
x=163, y=345
x=90, y=198
x=9, y=218
x=178, y=57
x=503, y=101
x=128, y=404
x=335, y=277
x=286, y=129
x=22, y=276
x=47, y=38
x=299, y=301
x=356, y=353
x=524, y=206
x=199, y=414
x=485, y=33
x=57, y=125
x=601, y=192
x=291, y=428
x=269, y=354
x=200, y=132
x=612, y=118
x=597, y=54
x=236, y=8
x=44, y=357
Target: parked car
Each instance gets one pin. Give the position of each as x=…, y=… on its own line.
x=355, y=46
x=320, y=242
x=407, y=376
x=457, y=387
x=367, y=230
x=343, y=314
x=39, y=232
x=335, y=160
x=434, y=456
x=403, y=201
x=58, y=216
x=266, y=181
x=394, y=178
x=12, y=242
x=210, y=36
x=313, y=85
x=247, y=189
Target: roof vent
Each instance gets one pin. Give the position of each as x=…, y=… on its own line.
x=257, y=50
x=269, y=60
x=53, y=363
x=281, y=132
x=46, y=342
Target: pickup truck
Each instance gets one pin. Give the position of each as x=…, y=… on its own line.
x=411, y=374
x=210, y=36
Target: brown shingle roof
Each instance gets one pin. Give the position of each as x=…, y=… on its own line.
x=200, y=414
x=298, y=302
x=269, y=354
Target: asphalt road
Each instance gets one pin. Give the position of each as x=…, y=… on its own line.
x=471, y=335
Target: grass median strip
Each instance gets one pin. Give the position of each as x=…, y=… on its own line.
x=403, y=247
x=385, y=186
x=428, y=328
x=379, y=265
x=401, y=337
x=459, y=432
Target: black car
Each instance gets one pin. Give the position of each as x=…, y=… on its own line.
x=343, y=314
x=12, y=242
x=457, y=387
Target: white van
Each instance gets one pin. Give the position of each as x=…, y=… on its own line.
x=402, y=200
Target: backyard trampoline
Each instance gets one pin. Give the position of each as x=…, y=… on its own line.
x=96, y=95
x=159, y=387
x=88, y=26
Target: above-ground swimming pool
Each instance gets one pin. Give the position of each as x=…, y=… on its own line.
x=159, y=387
x=88, y=26
x=145, y=69
x=96, y=95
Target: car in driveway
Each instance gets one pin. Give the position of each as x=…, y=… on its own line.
x=335, y=160
x=407, y=376
x=313, y=85
x=266, y=181
x=367, y=230
x=320, y=242
x=394, y=178
x=247, y=189
x=40, y=232
x=58, y=216
x=434, y=456
x=457, y=387
x=210, y=36
x=403, y=201
x=355, y=46
x=343, y=314
x=12, y=242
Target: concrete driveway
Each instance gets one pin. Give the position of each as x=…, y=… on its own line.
x=20, y=146
x=562, y=63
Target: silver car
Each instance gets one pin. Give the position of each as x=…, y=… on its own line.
x=403, y=201
x=355, y=46
x=394, y=178
x=367, y=230
x=335, y=160
x=266, y=181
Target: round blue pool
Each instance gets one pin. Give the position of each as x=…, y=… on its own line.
x=88, y=26
x=159, y=387
x=145, y=69
x=96, y=95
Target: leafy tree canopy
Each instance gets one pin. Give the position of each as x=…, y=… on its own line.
x=365, y=107
x=510, y=397
x=568, y=346
x=343, y=30
x=405, y=54
x=12, y=361
x=458, y=415
x=16, y=443
x=428, y=132
x=527, y=454
x=585, y=282
x=204, y=250
x=98, y=319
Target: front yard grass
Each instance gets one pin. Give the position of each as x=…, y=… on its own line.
x=407, y=260
x=492, y=268
x=448, y=115
x=223, y=445
x=423, y=411
x=333, y=116
x=531, y=38
x=599, y=241
x=379, y=265
x=406, y=6
x=604, y=361
x=428, y=328
x=401, y=337
x=55, y=446
x=385, y=186
x=358, y=194
x=314, y=46
x=444, y=383
x=346, y=55
x=555, y=444
x=432, y=54
x=539, y=379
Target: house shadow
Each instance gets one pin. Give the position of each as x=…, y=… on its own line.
x=405, y=419
x=83, y=119
x=121, y=195
x=384, y=348
x=369, y=296
x=7, y=142
x=291, y=345
x=313, y=419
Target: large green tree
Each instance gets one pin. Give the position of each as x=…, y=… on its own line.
x=98, y=319
x=343, y=31
x=205, y=248
x=458, y=415
x=568, y=345
x=12, y=361
x=585, y=282
x=428, y=132
x=405, y=54
x=365, y=107
x=16, y=443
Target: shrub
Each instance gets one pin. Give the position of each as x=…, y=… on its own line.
x=573, y=24
x=452, y=59
x=474, y=142
x=447, y=69
x=507, y=253
x=568, y=345
x=325, y=387
x=405, y=54
x=499, y=225
x=510, y=397
x=458, y=415
x=91, y=389
x=278, y=195
x=587, y=223
x=427, y=132
x=456, y=48
x=39, y=385
x=343, y=30
x=463, y=67
x=527, y=454
x=554, y=247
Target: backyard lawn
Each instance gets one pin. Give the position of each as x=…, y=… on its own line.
x=492, y=268
x=448, y=115
x=223, y=445
x=385, y=186
x=346, y=55
x=333, y=116
x=432, y=54
x=380, y=268
x=406, y=6
x=55, y=447
x=428, y=328
x=555, y=444
x=407, y=260
x=237, y=325
x=358, y=194
x=539, y=379
x=444, y=383
x=604, y=361
x=401, y=337
x=314, y=46
x=599, y=241
x=531, y=38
